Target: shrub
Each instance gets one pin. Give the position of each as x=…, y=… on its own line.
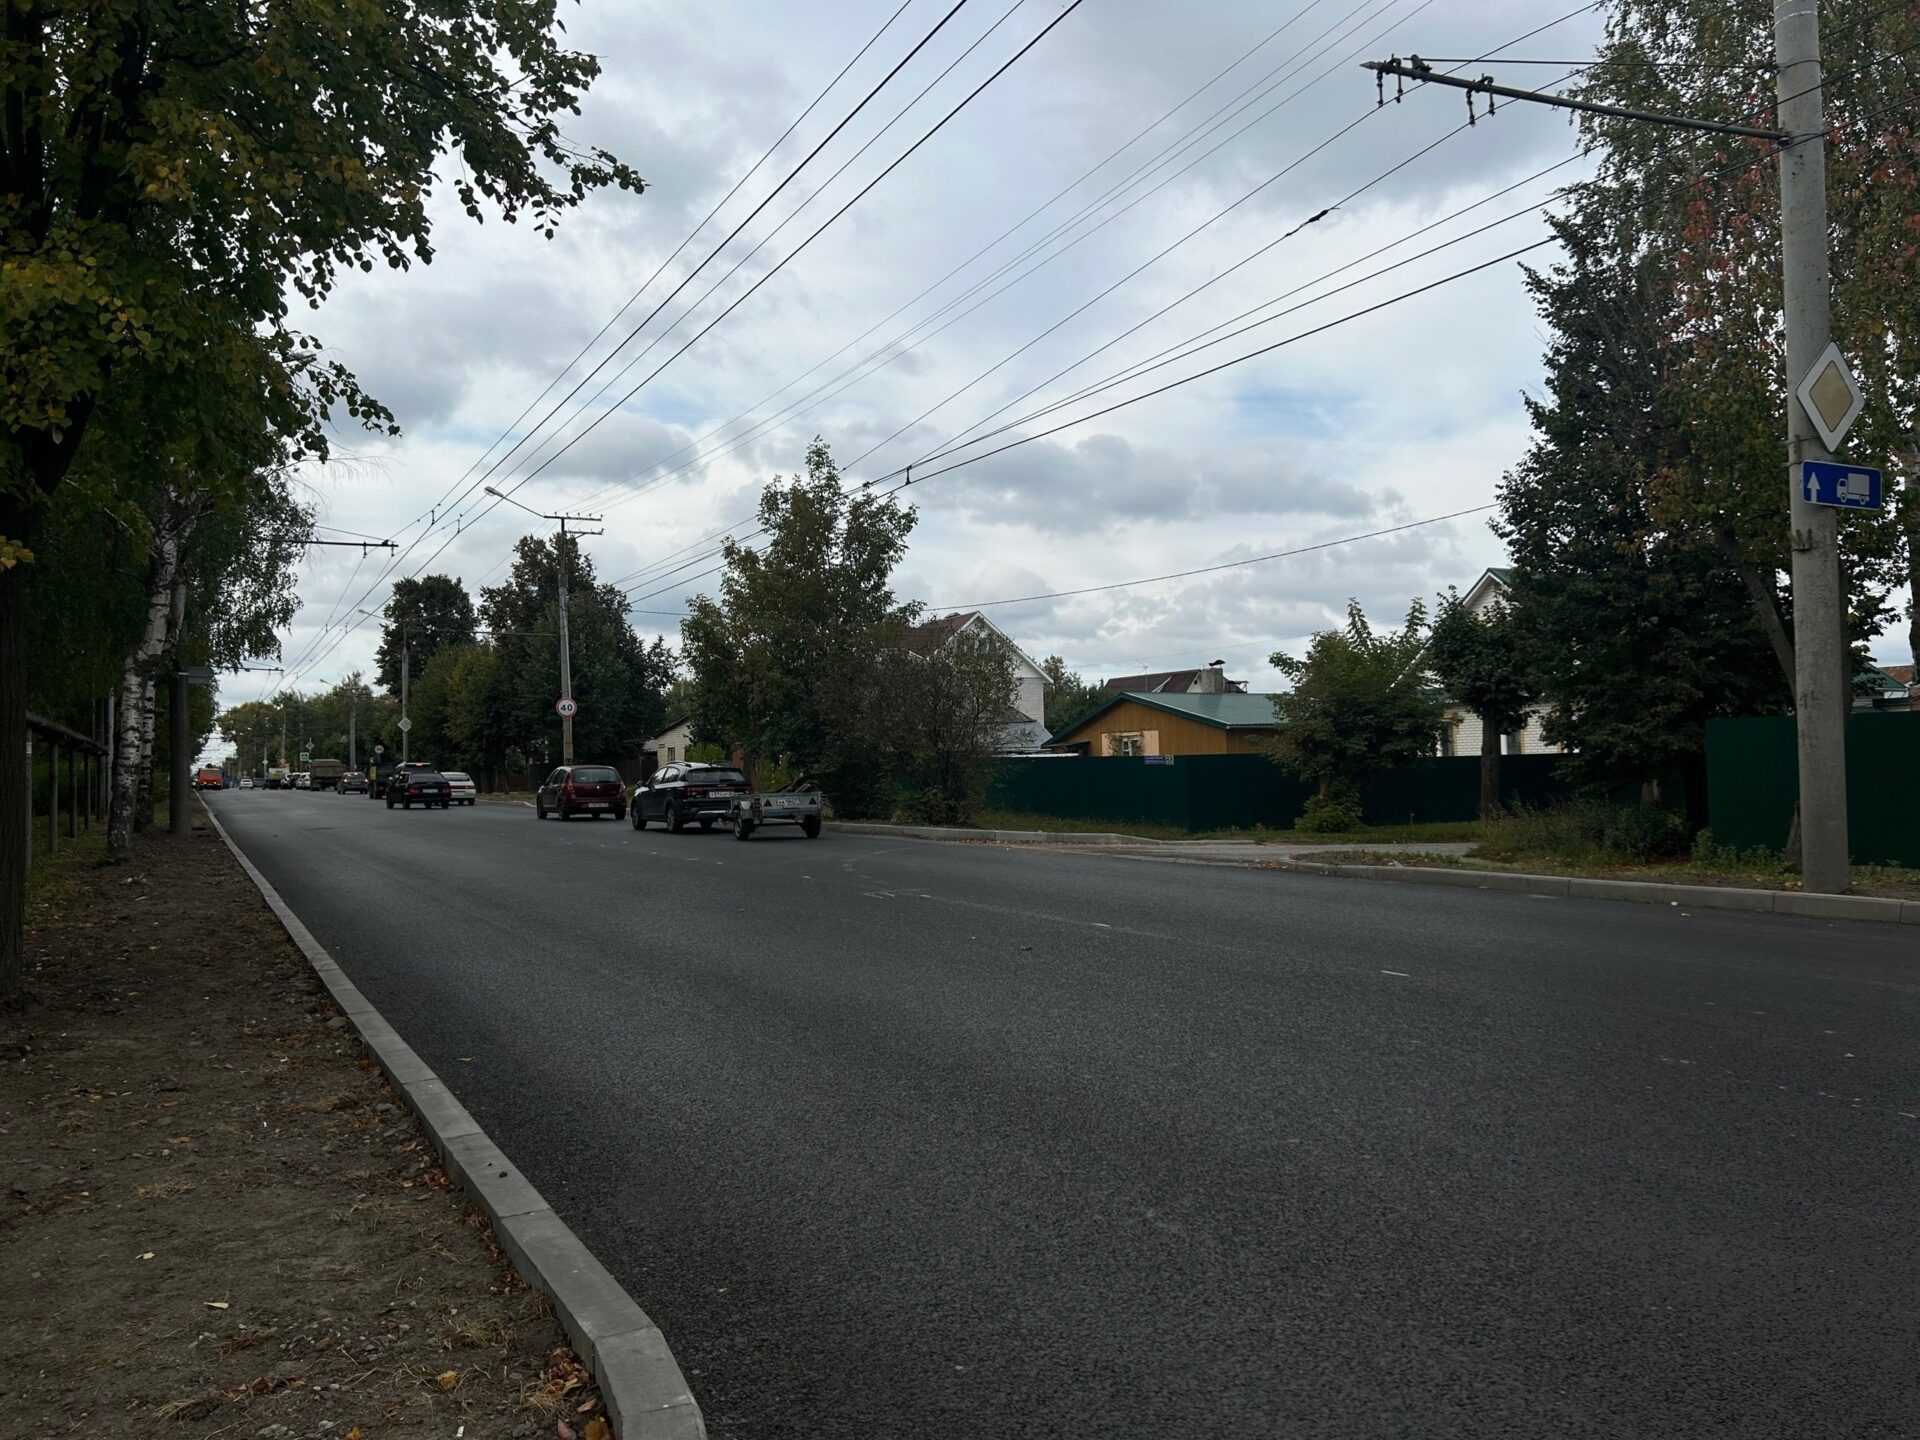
x=1591, y=831
x=1334, y=813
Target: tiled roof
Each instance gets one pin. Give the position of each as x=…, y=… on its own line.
x=930, y=635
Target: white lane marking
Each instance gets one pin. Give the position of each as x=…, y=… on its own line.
x=527, y=803
x=1100, y=925
x=1401, y=973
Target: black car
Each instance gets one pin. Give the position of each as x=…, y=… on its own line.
x=381, y=776
x=410, y=786
x=688, y=793
x=591, y=790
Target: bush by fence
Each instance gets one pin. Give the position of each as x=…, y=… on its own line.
x=1243, y=792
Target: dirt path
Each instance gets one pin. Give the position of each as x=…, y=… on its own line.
x=217, y=1220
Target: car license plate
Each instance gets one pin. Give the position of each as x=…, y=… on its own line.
x=784, y=802
x=727, y=794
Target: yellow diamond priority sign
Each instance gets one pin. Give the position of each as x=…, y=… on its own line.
x=1831, y=397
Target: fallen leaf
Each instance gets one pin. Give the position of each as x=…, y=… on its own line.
x=144, y=1255
x=449, y=1379
x=598, y=1429
x=586, y=1407
x=216, y=1304
x=354, y=1433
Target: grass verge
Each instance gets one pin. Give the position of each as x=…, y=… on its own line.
x=1436, y=833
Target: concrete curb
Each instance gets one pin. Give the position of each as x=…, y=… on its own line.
x=1701, y=897
x=1003, y=837
x=647, y=1396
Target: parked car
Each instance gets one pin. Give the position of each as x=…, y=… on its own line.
x=688, y=793
x=302, y=780
x=464, y=791
x=571, y=790
x=354, y=782
x=410, y=786
x=246, y=782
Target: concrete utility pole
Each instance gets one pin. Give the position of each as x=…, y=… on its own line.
x=1823, y=693
x=566, y=650
x=406, y=666
x=353, y=728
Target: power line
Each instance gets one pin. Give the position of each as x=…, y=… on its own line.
x=803, y=406
x=781, y=264
x=719, y=205
x=1214, y=569
x=778, y=229
x=754, y=214
x=900, y=346
x=911, y=479
x=1562, y=19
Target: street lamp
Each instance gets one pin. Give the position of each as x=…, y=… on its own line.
x=566, y=706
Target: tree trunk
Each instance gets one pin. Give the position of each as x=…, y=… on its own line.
x=133, y=715
x=143, y=776
x=14, y=780
x=1766, y=608
x=179, y=711
x=1489, y=770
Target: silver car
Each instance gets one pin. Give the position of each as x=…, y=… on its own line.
x=461, y=786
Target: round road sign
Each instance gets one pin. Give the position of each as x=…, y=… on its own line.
x=566, y=707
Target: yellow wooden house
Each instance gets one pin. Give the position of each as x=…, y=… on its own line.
x=1138, y=722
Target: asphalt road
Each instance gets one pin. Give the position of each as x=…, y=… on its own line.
x=898, y=1139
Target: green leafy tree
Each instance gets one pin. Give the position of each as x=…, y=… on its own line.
x=1358, y=704
x=168, y=174
x=1069, y=699
x=423, y=617
x=1481, y=660
x=796, y=627
x=1637, y=631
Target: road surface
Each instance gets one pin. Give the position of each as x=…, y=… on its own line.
x=900, y=1139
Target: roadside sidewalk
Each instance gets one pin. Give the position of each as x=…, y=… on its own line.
x=219, y=1220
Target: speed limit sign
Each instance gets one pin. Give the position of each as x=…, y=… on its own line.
x=566, y=707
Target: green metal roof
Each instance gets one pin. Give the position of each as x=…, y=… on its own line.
x=1231, y=711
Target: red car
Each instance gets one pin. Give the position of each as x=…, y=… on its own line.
x=592, y=790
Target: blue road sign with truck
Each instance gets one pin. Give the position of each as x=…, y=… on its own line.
x=1851, y=487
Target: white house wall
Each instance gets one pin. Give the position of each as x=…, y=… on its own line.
x=1467, y=731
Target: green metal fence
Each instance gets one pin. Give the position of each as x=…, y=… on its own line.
x=1753, y=779
x=1224, y=792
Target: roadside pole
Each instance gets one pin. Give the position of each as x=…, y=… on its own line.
x=566, y=651
x=353, y=729
x=1822, y=692
x=406, y=665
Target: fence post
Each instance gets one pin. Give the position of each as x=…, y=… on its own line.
x=53, y=799
x=73, y=800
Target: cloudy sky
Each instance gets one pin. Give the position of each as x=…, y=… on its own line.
x=928, y=311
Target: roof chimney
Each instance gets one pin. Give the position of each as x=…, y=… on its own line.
x=1212, y=680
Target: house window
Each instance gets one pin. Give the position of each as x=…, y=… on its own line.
x=1517, y=742
x=1129, y=745
x=1450, y=738
x=670, y=754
